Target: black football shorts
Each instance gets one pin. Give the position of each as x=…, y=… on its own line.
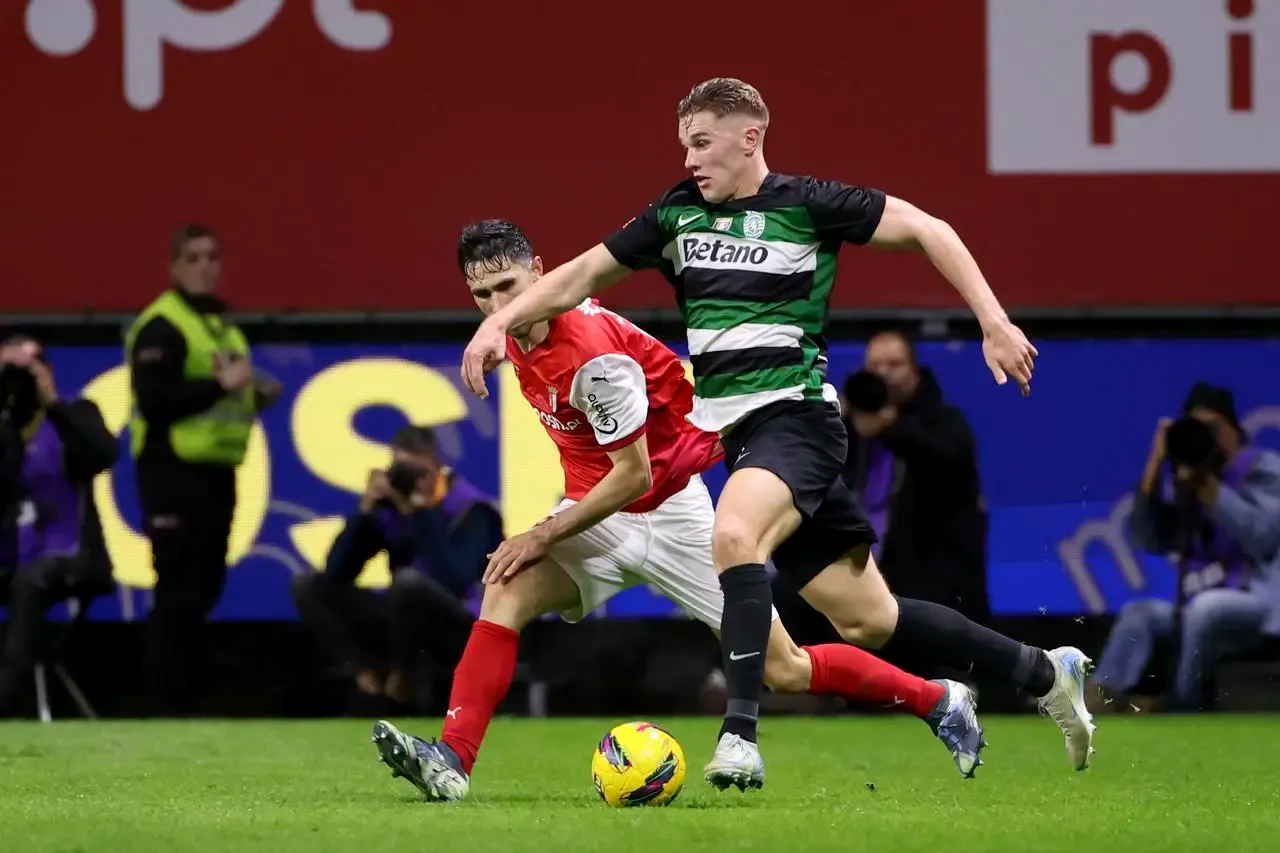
x=804, y=444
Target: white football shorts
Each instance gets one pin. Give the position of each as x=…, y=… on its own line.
x=668, y=548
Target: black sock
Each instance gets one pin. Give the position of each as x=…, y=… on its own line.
x=939, y=634
x=744, y=639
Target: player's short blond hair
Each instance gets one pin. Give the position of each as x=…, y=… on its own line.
x=724, y=96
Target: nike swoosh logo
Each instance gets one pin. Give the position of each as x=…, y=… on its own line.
x=736, y=656
x=687, y=218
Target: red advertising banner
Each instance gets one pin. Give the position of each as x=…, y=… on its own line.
x=1101, y=152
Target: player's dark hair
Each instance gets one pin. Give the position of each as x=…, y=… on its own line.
x=492, y=245
x=724, y=96
x=415, y=439
x=184, y=235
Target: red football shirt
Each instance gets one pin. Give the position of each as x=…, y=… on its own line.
x=598, y=383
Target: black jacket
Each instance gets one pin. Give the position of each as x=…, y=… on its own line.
x=89, y=449
x=935, y=546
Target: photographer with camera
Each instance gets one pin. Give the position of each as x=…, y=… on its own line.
x=196, y=396
x=438, y=530
x=1212, y=500
x=51, y=544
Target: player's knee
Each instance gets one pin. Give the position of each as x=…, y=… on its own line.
x=733, y=543
x=870, y=625
x=863, y=634
x=788, y=672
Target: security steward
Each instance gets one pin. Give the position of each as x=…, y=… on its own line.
x=195, y=399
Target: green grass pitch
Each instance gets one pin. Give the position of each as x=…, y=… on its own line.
x=840, y=784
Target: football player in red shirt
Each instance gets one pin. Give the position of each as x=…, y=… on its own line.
x=614, y=401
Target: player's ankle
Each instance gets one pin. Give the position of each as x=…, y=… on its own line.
x=466, y=754
x=743, y=728
x=931, y=702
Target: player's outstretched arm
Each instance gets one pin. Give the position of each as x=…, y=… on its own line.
x=563, y=288
x=558, y=291
x=905, y=226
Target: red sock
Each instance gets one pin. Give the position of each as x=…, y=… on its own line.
x=855, y=674
x=480, y=682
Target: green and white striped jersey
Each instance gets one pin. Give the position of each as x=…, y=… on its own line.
x=753, y=279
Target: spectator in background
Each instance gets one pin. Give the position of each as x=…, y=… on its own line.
x=51, y=545
x=438, y=530
x=195, y=399
x=1220, y=511
x=913, y=463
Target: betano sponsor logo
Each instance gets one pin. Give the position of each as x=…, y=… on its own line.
x=737, y=253
x=721, y=252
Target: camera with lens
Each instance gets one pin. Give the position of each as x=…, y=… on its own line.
x=866, y=392
x=1191, y=443
x=403, y=477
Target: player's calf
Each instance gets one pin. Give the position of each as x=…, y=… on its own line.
x=488, y=663
x=754, y=514
x=853, y=674
x=853, y=595
x=787, y=667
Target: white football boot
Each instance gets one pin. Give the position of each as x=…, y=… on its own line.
x=1065, y=702
x=735, y=762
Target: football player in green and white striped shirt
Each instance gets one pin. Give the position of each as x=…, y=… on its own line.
x=751, y=255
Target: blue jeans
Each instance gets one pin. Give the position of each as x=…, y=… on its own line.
x=1215, y=623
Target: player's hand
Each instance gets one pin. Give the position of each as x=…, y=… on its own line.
x=1009, y=354
x=485, y=352
x=516, y=554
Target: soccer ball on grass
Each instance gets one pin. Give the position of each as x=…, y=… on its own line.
x=638, y=764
